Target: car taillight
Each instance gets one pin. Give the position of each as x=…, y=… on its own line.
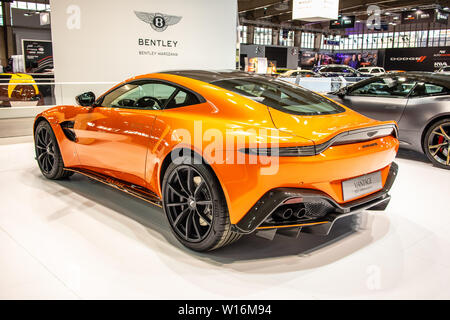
x=303, y=151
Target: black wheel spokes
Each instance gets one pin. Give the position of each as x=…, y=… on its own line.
x=45, y=150
x=189, y=204
x=203, y=216
x=439, y=144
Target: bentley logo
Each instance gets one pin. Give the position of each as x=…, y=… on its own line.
x=158, y=21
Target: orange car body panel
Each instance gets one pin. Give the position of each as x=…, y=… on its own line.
x=131, y=144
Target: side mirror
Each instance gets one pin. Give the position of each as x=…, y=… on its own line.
x=86, y=99
x=342, y=92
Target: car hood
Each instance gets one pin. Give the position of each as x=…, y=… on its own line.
x=320, y=128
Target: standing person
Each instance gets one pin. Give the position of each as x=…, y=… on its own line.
x=360, y=61
x=317, y=58
x=354, y=62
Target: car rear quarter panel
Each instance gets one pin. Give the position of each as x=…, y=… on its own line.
x=418, y=114
x=245, y=184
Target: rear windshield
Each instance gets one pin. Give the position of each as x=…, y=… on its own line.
x=281, y=96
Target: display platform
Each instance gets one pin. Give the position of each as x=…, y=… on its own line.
x=79, y=239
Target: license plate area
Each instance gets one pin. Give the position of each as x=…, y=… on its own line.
x=360, y=186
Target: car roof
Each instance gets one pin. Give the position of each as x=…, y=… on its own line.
x=370, y=68
x=429, y=77
x=211, y=76
x=334, y=65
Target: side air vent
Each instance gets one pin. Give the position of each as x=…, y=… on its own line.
x=67, y=128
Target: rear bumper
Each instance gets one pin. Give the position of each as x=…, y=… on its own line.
x=259, y=214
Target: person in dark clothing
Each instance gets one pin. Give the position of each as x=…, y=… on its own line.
x=354, y=63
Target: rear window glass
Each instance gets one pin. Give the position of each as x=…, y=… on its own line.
x=281, y=96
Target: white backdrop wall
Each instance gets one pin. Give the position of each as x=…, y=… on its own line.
x=104, y=41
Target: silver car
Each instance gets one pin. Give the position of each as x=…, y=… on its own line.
x=418, y=101
x=445, y=70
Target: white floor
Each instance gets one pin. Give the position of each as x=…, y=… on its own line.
x=79, y=239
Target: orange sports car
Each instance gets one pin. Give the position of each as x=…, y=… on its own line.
x=224, y=153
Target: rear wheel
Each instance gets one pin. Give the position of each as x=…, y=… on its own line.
x=437, y=144
x=47, y=153
x=195, y=206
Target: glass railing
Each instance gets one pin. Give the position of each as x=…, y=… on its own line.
x=27, y=95
x=323, y=85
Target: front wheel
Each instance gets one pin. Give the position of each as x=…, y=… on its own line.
x=48, y=154
x=195, y=206
x=437, y=144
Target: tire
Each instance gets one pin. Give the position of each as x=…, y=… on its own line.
x=48, y=154
x=197, y=212
x=437, y=144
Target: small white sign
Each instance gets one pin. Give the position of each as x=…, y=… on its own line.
x=315, y=10
x=360, y=186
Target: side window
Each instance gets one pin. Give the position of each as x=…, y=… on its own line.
x=385, y=87
x=182, y=99
x=139, y=95
x=428, y=89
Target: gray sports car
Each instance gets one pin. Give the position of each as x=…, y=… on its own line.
x=418, y=101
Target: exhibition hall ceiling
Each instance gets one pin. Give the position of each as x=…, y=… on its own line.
x=280, y=11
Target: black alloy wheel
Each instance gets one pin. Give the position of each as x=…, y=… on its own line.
x=190, y=209
x=196, y=207
x=437, y=144
x=47, y=151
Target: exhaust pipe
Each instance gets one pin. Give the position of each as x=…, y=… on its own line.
x=300, y=213
x=285, y=214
